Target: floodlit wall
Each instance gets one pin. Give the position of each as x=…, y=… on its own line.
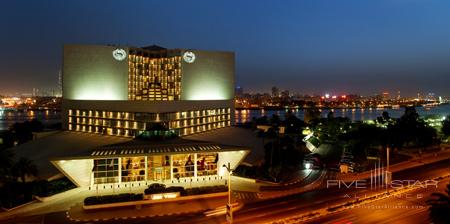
x=209, y=77
x=78, y=171
x=232, y=157
x=91, y=72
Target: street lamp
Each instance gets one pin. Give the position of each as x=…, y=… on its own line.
x=308, y=166
x=388, y=174
x=229, y=213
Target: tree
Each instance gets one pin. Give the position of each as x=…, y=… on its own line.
x=446, y=126
x=6, y=161
x=274, y=172
x=7, y=139
x=362, y=138
x=385, y=116
x=35, y=125
x=330, y=115
x=24, y=167
x=275, y=120
x=410, y=129
x=439, y=209
x=293, y=124
x=312, y=113
x=385, y=119
x=261, y=120
x=426, y=135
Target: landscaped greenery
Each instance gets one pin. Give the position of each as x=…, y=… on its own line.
x=14, y=190
x=408, y=131
x=106, y=199
x=45, y=188
x=284, y=151
x=206, y=190
x=14, y=193
x=15, y=187
x=446, y=126
x=153, y=189
x=161, y=188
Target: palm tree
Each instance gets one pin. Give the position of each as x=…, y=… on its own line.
x=6, y=158
x=6, y=161
x=446, y=126
x=440, y=206
x=24, y=167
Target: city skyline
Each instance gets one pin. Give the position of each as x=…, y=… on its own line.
x=237, y=112
x=311, y=47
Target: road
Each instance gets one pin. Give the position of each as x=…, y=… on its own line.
x=409, y=208
x=275, y=209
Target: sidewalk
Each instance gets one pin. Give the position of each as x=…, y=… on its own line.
x=413, y=162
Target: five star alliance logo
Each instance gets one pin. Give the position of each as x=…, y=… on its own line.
x=380, y=178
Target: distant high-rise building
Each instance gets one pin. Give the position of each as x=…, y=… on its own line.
x=431, y=97
x=59, y=92
x=275, y=92
x=35, y=92
x=285, y=94
x=239, y=91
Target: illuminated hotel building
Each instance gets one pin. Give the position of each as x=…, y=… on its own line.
x=126, y=91
x=141, y=92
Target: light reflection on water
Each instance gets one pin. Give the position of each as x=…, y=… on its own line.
x=353, y=114
x=8, y=118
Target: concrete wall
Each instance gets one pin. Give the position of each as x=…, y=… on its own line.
x=232, y=157
x=209, y=77
x=90, y=72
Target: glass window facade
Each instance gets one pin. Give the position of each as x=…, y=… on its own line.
x=183, y=166
x=155, y=167
x=207, y=164
x=133, y=169
x=106, y=171
x=130, y=123
x=153, y=75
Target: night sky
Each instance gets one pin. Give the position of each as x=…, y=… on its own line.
x=314, y=46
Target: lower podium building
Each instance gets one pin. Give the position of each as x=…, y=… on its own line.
x=139, y=162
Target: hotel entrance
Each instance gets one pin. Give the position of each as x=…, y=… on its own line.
x=158, y=174
x=158, y=168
